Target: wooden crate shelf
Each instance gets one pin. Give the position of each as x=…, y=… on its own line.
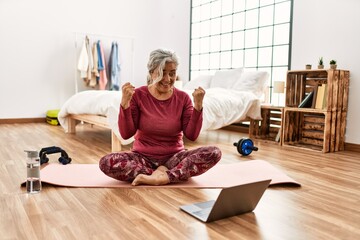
x=307, y=129
x=318, y=129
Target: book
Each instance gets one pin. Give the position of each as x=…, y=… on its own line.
x=321, y=97
x=314, y=96
x=307, y=101
x=278, y=135
x=324, y=102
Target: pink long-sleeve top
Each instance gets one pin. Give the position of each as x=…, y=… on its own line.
x=159, y=125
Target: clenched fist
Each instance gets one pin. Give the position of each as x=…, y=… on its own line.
x=128, y=91
x=198, y=96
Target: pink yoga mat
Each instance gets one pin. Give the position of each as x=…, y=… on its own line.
x=220, y=176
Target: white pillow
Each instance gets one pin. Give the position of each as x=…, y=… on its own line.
x=254, y=82
x=200, y=81
x=226, y=78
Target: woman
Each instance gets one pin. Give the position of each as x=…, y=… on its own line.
x=159, y=115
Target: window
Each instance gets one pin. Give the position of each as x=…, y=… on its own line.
x=255, y=34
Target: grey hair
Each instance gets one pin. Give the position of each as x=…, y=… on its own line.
x=158, y=59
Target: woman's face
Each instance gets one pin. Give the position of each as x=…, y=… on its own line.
x=169, y=77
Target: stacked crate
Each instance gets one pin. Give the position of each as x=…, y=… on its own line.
x=269, y=128
x=318, y=129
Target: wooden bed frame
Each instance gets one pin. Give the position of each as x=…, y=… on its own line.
x=96, y=120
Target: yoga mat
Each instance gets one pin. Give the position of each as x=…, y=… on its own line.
x=220, y=176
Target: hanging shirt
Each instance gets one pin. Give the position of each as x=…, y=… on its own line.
x=83, y=62
x=95, y=72
x=102, y=67
x=90, y=57
x=114, y=66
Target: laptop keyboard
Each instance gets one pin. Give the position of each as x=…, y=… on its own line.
x=204, y=205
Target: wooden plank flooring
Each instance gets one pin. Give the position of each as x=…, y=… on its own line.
x=325, y=207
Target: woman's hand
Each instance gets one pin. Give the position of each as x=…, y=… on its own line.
x=198, y=96
x=128, y=91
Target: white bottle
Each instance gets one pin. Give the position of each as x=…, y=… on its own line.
x=33, y=182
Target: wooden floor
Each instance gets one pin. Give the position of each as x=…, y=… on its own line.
x=327, y=206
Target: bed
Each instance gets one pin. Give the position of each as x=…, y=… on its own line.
x=232, y=96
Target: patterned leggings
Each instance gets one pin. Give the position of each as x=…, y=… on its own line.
x=125, y=166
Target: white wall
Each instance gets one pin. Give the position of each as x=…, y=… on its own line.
x=330, y=28
x=37, y=62
x=37, y=52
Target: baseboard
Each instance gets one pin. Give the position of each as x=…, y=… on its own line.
x=243, y=128
x=352, y=147
x=22, y=120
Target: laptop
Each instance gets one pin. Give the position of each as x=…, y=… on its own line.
x=231, y=201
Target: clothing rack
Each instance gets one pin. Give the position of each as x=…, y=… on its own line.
x=126, y=55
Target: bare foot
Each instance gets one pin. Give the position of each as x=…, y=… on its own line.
x=158, y=177
x=161, y=169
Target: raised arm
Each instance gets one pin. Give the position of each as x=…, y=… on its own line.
x=126, y=121
x=193, y=115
